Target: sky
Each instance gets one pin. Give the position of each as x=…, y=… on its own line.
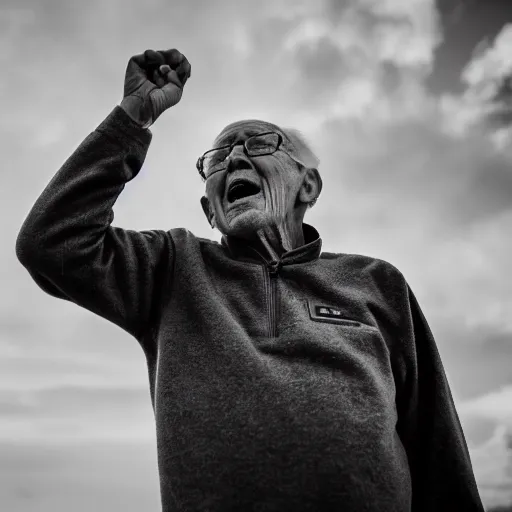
x=408, y=105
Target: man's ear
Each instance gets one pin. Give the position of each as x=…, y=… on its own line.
x=207, y=211
x=311, y=186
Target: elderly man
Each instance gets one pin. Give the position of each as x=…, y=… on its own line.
x=282, y=378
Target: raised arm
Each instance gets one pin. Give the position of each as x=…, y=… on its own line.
x=67, y=243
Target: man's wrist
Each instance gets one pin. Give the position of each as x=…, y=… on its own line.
x=131, y=105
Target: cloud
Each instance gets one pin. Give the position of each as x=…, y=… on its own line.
x=322, y=68
x=491, y=63
x=474, y=264
x=419, y=180
x=487, y=99
x=240, y=40
x=435, y=178
x=492, y=459
x=496, y=405
x=401, y=165
x=72, y=413
x=48, y=477
x=52, y=132
x=15, y=21
x=402, y=32
x=345, y=54
x=492, y=465
x=73, y=347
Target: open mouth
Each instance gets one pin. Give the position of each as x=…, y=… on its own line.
x=242, y=188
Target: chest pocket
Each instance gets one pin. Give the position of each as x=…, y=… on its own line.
x=327, y=313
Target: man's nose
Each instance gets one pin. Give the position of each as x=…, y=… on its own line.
x=238, y=159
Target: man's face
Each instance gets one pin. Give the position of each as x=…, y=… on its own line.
x=269, y=196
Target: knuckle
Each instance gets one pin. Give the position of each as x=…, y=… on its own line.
x=175, y=57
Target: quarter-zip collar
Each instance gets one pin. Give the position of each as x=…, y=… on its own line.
x=239, y=249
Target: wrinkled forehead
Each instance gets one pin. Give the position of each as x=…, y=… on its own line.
x=245, y=129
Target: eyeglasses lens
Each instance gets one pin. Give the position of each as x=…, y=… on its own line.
x=262, y=144
x=257, y=145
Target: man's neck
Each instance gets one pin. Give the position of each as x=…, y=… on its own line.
x=275, y=242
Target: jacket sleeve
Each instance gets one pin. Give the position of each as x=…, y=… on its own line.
x=68, y=245
x=428, y=425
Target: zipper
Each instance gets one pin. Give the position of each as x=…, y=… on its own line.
x=273, y=270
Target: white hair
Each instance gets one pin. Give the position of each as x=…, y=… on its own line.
x=302, y=147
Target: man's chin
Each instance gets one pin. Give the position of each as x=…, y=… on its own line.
x=245, y=224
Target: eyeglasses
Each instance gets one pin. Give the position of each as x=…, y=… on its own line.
x=261, y=144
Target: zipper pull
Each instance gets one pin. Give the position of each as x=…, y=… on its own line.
x=274, y=267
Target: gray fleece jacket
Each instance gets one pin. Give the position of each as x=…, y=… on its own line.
x=312, y=383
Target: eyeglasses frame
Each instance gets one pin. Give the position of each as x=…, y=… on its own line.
x=200, y=160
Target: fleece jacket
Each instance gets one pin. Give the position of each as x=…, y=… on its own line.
x=311, y=383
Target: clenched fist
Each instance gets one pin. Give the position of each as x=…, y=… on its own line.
x=153, y=83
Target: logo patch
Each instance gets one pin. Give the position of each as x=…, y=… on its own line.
x=331, y=314
x=328, y=311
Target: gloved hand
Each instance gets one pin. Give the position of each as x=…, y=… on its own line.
x=154, y=82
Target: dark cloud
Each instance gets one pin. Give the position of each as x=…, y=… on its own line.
x=321, y=68
x=452, y=11
x=504, y=91
x=491, y=188
x=502, y=100
x=465, y=24
x=419, y=170
x=500, y=118
x=335, y=10
x=390, y=77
